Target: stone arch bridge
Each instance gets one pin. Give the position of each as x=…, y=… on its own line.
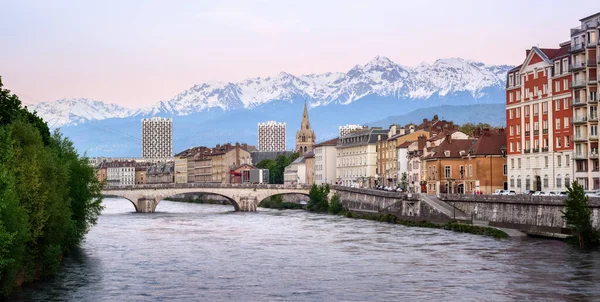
x=244, y=197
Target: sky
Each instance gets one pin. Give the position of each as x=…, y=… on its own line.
x=136, y=53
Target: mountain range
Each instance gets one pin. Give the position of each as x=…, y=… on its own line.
x=211, y=113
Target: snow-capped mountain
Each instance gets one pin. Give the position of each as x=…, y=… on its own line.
x=378, y=78
x=77, y=111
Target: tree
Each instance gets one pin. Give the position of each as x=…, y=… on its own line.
x=276, y=167
x=319, y=200
x=335, y=205
x=468, y=128
x=404, y=180
x=577, y=215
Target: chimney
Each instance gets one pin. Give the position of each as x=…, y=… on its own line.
x=425, y=121
x=486, y=131
x=237, y=154
x=449, y=138
x=402, y=131
x=421, y=142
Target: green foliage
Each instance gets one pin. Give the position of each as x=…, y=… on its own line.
x=276, y=202
x=335, y=205
x=319, y=201
x=577, y=215
x=468, y=128
x=277, y=166
x=49, y=196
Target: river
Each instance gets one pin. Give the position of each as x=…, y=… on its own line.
x=199, y=252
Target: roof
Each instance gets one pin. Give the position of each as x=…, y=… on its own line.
x=299, y=160
x=258, y=156
x=362, y=137
x=490, y=143
x=161, y=168
x=331, y=142
x=590, y=16
x=309, y=154
x=404, y=144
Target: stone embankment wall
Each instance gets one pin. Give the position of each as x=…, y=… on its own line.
x=529, y=213
x=404, y=206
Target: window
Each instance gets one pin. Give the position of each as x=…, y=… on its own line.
x=567, y=161
x=557, y=123
x=545, y=124
x=535, y=74
x=512, y=130
x=511, y=80
x=518, y=112
x=470, y=170
x=556, y=105
x=559, y=161
x=518, y=163
x=527, y=93
x=510, y=97
x=536, y=125
x=447, y=172
x=518, y=95
x=546, y=181
x=510, y=114
x=558, y=145
x=566, y=122
x=566, y=104
x=566, y=143
x=518, y=146
x=528, y=183
x=518, y=130
x=519, y=182
x=565, y=84
x=546, y=161
x=536, y=109
x=567, y=181
x=512, y=147
x=557, y=86
x=505, y=169
x=545, y=89
x=558, y=181
x=512, y=163
x=526, y=110
x=512, y=182
x=545, y=107
x=556, y=67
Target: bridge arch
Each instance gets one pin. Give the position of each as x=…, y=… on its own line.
x=234, y=203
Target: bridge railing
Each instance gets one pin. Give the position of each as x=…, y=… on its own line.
x=375, y=192
x=207, y=185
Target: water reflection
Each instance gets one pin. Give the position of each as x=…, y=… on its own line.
x=208, y=252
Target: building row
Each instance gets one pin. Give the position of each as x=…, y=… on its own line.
x=552, y=114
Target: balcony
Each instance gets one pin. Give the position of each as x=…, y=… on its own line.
x=593, y=118
x=593, y=137
x=592, y=81
x=591, y=63
x=535, y=150
x=526, y=151
x=591, y=44
x=527, y=133
x=544, y=149
x=579, y=138
x=580, y=120
x=577, y=47
x=545, y=131
x=579, y=102
x=580, y=156
x=594, y=154
x=593, y=99
x=536, y=132
x=577, y=66
x=578, y=84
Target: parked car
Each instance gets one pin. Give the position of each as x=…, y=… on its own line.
x=537, y=193
x=498, y=192
x=399, y=189
x=508, y=192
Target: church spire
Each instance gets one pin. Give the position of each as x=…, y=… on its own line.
x=305, y=122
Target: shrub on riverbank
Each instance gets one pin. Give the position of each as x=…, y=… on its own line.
x=318, y=199
x=276, y=202
x=578, y=216
x=452, y=226
x=49, y=196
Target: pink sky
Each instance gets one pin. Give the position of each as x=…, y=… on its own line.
x=135, y=53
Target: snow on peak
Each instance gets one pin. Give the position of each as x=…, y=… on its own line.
x=380, y=76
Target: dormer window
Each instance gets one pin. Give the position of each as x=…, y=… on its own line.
x=447, y=153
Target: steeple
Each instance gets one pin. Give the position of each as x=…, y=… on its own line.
x=305, y=122
x=305, y=137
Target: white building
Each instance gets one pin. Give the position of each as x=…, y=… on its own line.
x=345, y=130
x=271, y=136
x=402, y=162
x=356, y=160
x=295, y=173
x=120, y=173
x=157, y=137
x=325, y=161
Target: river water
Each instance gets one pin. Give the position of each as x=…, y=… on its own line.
x=197, y=252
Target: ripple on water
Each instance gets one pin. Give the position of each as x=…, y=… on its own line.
x=208, y=252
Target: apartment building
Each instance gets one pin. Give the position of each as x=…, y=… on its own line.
x=271, y=136
x=157, y=137
x=467, y=166
x=539, y=121
x=356, y=159
x=210, y=165
x=161, y=173
x=325, y=161
x=119, y=173
x=585, y=57
x=346, y=129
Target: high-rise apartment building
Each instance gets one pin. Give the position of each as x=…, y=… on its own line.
x=538, y=121
x=585, y=57
x=271, y=136
x=345, y=130
x=157, y=137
